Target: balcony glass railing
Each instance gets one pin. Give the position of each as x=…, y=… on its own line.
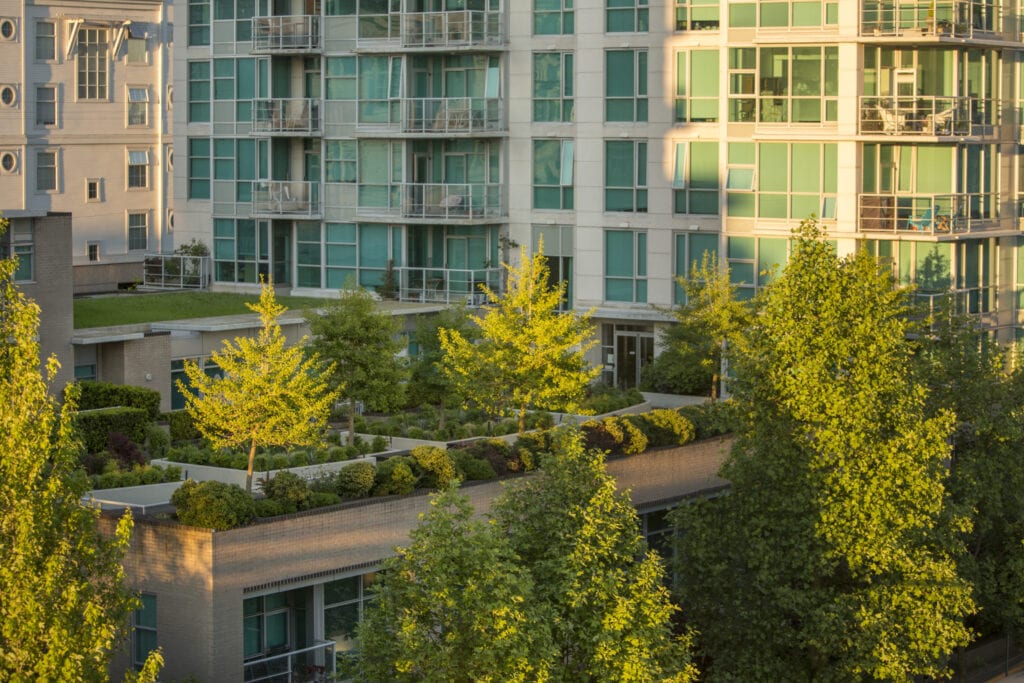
x=452, y=29
x=286, y=198
x=454, y=115
x=287, y=33
x=294, y=116
x=937, y=116
x=313, y=663
x=965, y=301
x=447, y=285
x=452, y=200
x=176, y=271
x=949, y=18
x=933, y=214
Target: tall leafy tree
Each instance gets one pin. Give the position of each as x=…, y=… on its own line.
x=529, y=354
x=832, y=557
x=362, y=342
x=428, y=383
x=965, y=372
x=580, y=541
x=64, y=604
x=454, y=606
x=266, y=394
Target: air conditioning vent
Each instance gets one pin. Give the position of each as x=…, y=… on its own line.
x=8, y=29
x=8, y=163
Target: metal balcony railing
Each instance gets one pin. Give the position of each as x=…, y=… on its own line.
x=296, y=116
x=948, y=18
x=452, y=200
x=286, y=33
x=931, y=214
x=286, y=198
x=935, y=116
x=459, y=28
x=313, y=663
x=974, y=301
x=447, y=285
x=454, y=115
x=175, y=271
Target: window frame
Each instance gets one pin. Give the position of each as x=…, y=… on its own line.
x=52, y=105
x=566, y=12
x=140, y=626
x=565, y=100
x=638, y=9
x=137, y=169
x=98, y=184
x=133, y=240
x=19, y=241
x=639, y=268
x=47, y=56
x=93, y=63
x=53, y=187
x=639, y=87
x=638, y=174
x=684, y=11
x=133, y=106
x=564, y=170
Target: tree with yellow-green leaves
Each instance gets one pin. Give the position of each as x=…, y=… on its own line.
x=530, y=355
x=266, y=394
x=64, y=604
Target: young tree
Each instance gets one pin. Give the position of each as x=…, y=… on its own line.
x=454, y=607
x=428, y=383
x=64, y=604
x=269, y=393
x=831, y=558
x=529, y=355
x=580, y=541
x=362, y=342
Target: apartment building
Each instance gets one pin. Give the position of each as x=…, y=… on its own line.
x=85, y=119
x=418, y=140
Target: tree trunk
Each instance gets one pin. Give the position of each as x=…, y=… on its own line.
x=248, y=471
x=351, y=421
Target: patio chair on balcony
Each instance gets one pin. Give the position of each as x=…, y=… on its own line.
x=940, y=123
x=892, y=122
x=450, y=203
x=924, y=222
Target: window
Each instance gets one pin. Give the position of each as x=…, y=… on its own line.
x=697, y=15
x=138, y=230
x=781, y=180
x=46, y=105
x=93, y=251
x=18, y=241
x=625, y=266
x=199, y=22
x=138, y=169
x=86, y=372
x=697, y=86
x=137, y=53
x=690, y=249
x=265, y=624
x=138, y=106
x=695, y=182
x=553, y=86
x=625, y=81
x=8, y=161
x=784, y=84
x=92, y=63
x=93, y=190
x=46, y=171
x=340, y=165
x=344, y=603
x=198, y=168
x=143, y=621
x=558, y=253
x=46, y=41
x=340, y=80
x=241, y=250
x=8, y=29
x=8, y=95
x=625, y=175
x=753, y=261
x=198, y=91
x=553, y=174
x=626, y=16
x=553, y=17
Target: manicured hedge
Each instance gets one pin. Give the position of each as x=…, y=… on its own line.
x=94, y=427
x=181, y=427
x=106, y=395
x=213, y=505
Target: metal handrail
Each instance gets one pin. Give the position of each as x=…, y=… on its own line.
x=304, y=672
x=932, y=214
x=941, y=18
x=286, y=197
x=286, y=115
x=447, y=285
x=286, y=33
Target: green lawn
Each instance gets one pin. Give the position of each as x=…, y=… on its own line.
x=127, y=309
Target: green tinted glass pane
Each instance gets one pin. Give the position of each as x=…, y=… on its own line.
x=740, y=204
x=546, y=161
x=772, y=206
x=342, y=590
x=806, y=14
x=701, y=244
x=775, y=14
x=619, y=253
x=704, y=73
x=704, y=202
x=742, y=153
x=771, y=257
x=742, y=14
x=704, y=165
x=740, y=247
x=806, y=168
x=619, y=163
x=618, y=290
x=804, y=205
x=772, y=167
x=619, y=73
x=741, y=273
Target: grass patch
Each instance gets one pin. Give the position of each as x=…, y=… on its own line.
x=130, y=309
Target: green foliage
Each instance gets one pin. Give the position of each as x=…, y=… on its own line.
x=107, y=395
x=290, y=490
x=429, y=384
x=832, y=556
x=664, y=427
x=394, y=477
x=356, y=480
x=181, y=426
x=149, y=474
x=686, y=364
x=213, y=505
x=712, y=419
x=529, y=355
x=471, y=468
x=269, y=393
x=64, y=603
x=454, y=606
x=580, y=541
x=319, y=499
x=158, y=441
x=495, y=452
x=614, y=434
x=93, y=428
x=437, y=466
x=605, y=398
x=361, y=343
x=269, y=507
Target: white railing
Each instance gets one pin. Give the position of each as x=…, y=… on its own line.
x=932, y=214
x=447, y=285
x=310, y=664
x=454, y=115
x=452, y=200
x=452, y=29
x=286, y=33
x=942, y=18
x=175, y=271
x=960, y=116
x=286, y=197
x=294, y=115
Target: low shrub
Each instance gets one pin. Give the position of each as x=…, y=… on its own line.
x=665, y=427
x=213, y=505
x=267, y=507
x=712, y=419
x=604, y=398
x=395, y=477
x=495, y=452
x=191, y=454
x=356, y=480
x=125, y=451
x=437, y=466
x=380, y=444
x=320, y=499
x=290, y=490
x=614, y=434
x=94, y=426
x=107, y=395
x=470, y=467
x=181, y=426
x=95, y=463
x=158, y=441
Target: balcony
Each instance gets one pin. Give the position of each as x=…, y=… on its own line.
x=286, y=117
x=432, y=202
x=287, y=34
x=295, y=198
x=972, y=301
x=447, y=285
x=924, y=214
x=927, y=116
x=919, y=18
x=313, y=663
x=460, y=28
x=454, y=115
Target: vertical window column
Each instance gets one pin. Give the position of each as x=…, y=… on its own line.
x=553, y=174
x=625, y=266
x=625, y=81
x=625, y=175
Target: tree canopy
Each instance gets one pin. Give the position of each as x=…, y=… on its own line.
x=362, y=343
x=64, y=603
x=267, y=393
x=428, y=383
x=529, y=354
x=832, y=557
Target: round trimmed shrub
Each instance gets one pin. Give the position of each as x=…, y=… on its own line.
x=289, y=489
x=213, y=505
x=665, y=427
x=436, y=464
x=356, y=480
x=471, y=468
x=395, y=477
